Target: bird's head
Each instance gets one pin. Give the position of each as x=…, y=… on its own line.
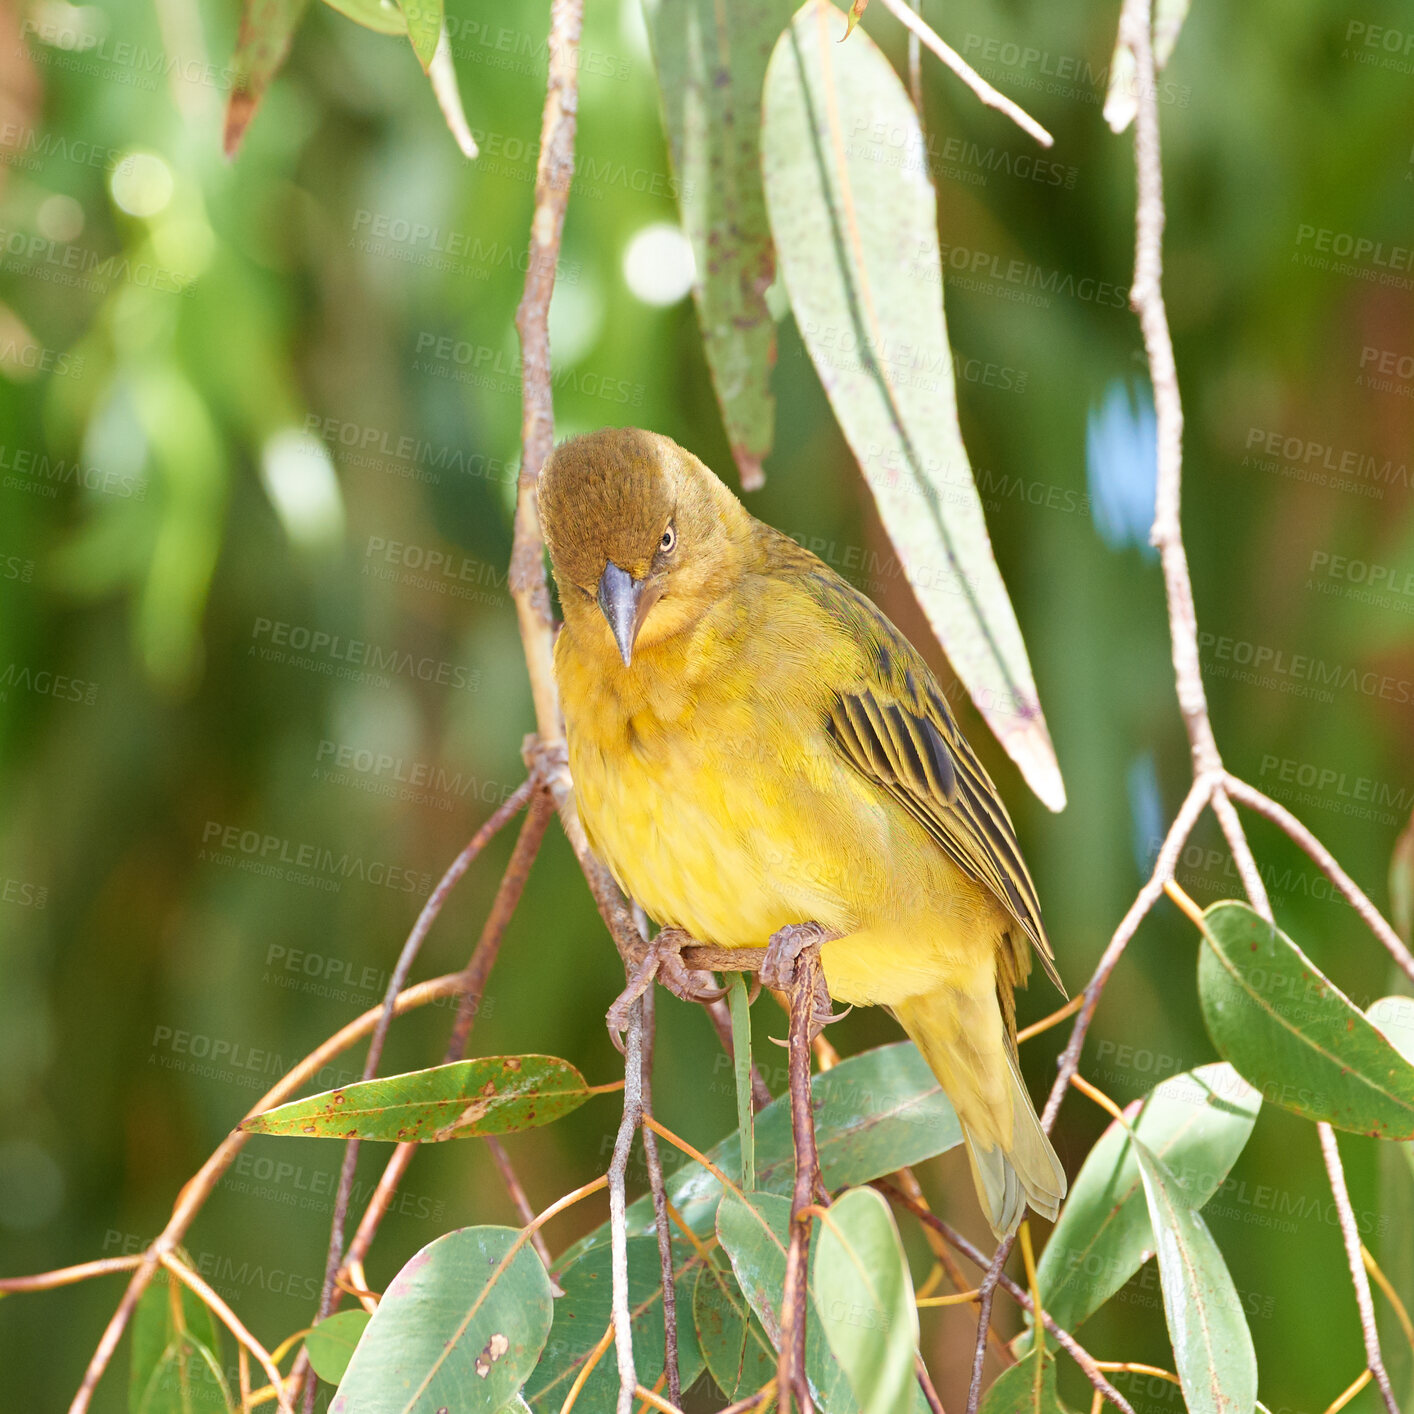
x=643, y=537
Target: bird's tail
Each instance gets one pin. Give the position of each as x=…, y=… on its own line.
x=964, y=1040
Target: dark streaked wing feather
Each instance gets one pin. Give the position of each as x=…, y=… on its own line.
x=893, y=725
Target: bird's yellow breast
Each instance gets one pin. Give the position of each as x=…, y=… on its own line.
x=714, y=821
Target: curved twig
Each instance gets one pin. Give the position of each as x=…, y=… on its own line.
x=1335, y=1171
x=1280, y=816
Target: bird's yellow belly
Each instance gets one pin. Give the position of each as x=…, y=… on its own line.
x=732, y=855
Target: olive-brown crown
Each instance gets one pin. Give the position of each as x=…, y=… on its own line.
x=612, y=495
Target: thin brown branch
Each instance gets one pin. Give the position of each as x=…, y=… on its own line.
x=66, y=1276
x=502, y=1160
x=791, y=1382
x=199, y=1187
x=1147, y=299
x=412, y=945
x=509, y=891
x=1374, y=1358
x=660, y=1211
x=1247, y=869
x=925, y=1383
x=474, y=977
x=1077, y=1352
x=907, y=1181
x=967, y=73
x=554, y=171
x=618, y=1203
x=232, y=1322
x=1198, y=796
x=1307, y=842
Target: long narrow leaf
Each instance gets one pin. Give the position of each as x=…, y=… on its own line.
x=1212, y=1347
x=1197, y=1123
x=262, y=46
x=1293, y=1033
x=711, y=62
x=854, y=218
x=489, y=1095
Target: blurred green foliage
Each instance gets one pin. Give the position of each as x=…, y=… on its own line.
x=244, y=403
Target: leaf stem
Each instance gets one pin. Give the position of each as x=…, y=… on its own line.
x=741, y=1060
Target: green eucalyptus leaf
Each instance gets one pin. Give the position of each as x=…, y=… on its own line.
x=1028, y=1387
x=382, y=16
x=330, y=1345
x=464, y=1100
x=864, y=1293
x=176, y=1361
x=424, y=26
x=460, y=1327
x=1395, y=1018
x=854, y=217
x=1212, y=1347
x=754, y=1230
x=583, y=1313
x=1197, y=1123
x=262, y=46
x=711, y=64
x=1293, y=1033
x=875, y=1113
x=737, y=1351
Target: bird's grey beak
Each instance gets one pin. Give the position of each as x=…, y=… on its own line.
x=621, y=599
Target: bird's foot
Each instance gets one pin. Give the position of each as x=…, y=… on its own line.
x=662, y=961
x=778, y=969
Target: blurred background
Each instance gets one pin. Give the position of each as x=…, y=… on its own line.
x=255, y=413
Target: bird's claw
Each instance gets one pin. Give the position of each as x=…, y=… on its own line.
x=778, y=970
x=662, y=961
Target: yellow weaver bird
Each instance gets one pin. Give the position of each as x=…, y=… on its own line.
x=754, y=746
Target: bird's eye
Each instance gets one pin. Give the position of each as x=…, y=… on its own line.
x=669, y=540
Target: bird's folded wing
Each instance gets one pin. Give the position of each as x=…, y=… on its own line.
x=894, y=726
